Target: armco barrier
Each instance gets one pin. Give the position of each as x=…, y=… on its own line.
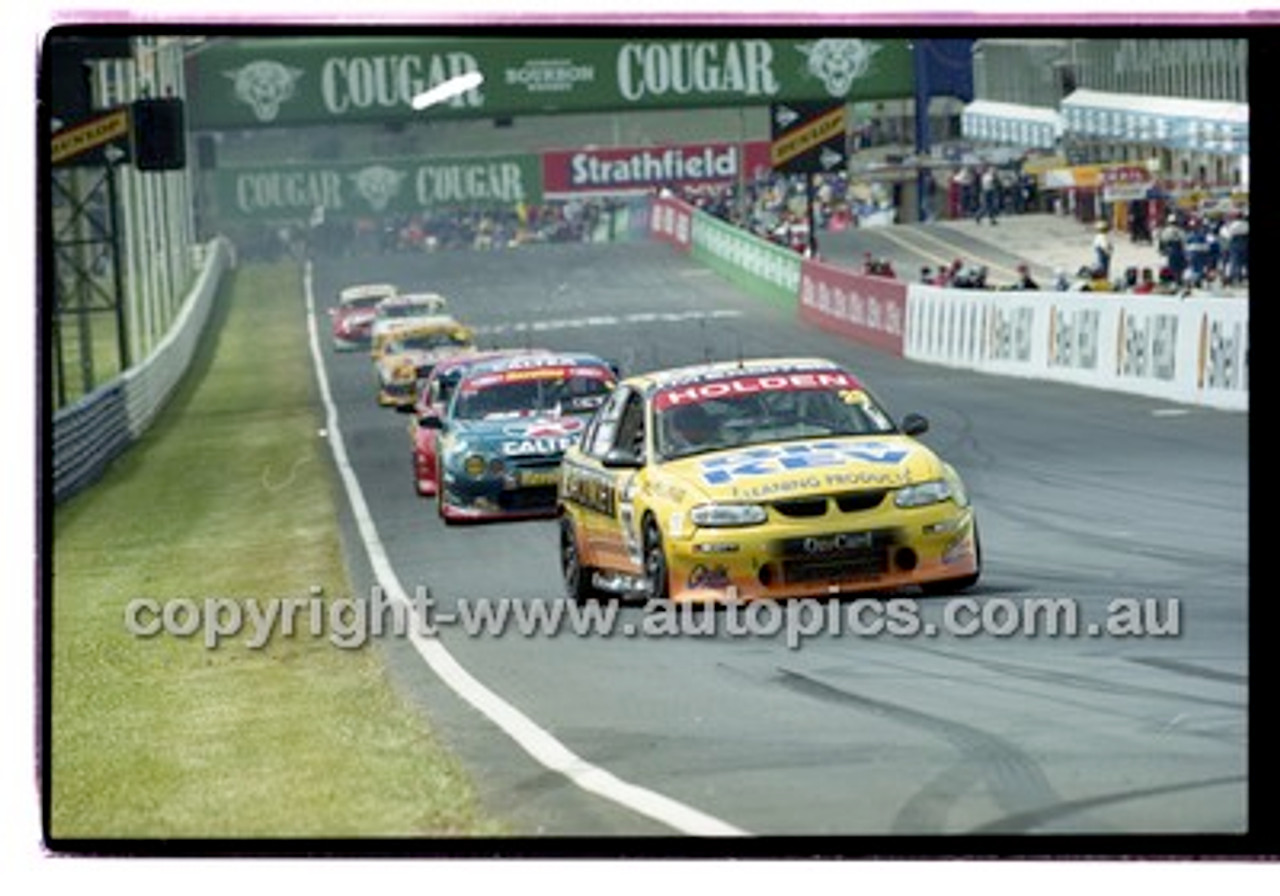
x=1193, y=350
x=866, y=309
x=766, y=270
x=761, y=268
x=89, y=434
x=671, y=222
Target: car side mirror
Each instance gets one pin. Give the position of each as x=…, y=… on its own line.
x=431, y=421
x=915, y=424
x=622, y=459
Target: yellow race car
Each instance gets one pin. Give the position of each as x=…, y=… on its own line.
x=406, y=353
x=771, y=478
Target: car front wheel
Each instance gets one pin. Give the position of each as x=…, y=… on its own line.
x=440, y=499
x=658, y=586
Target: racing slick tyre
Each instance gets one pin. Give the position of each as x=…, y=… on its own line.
x=577, y=578
x=655, y=562
x=960, y=583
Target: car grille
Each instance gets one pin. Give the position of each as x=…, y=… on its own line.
x=535, y=462
x=853, y=502
x=540, y=497
x=801, y=508
x=850, y=502
x=872, y=564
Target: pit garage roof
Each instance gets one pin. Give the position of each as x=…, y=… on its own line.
x=1201, y=125
x=1028, y=126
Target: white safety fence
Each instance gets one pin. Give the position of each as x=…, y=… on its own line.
x=88, y=434
x=1193, y=350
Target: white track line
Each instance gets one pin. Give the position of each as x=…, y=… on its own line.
x=535, y=741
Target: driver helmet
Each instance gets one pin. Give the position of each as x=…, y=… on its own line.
x=691, y=424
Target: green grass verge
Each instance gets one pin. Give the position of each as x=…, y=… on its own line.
x=230, y=494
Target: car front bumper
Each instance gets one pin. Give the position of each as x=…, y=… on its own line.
x=351, y=340
x=518, y=494
x=802, y=558
x=398, y=394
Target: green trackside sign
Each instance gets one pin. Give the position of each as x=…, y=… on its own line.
x=282, y=81
x=376, y=188
x=768, y=271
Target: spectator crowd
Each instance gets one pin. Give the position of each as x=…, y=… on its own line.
x=1203, y=250
x=1200, y=250
x=443, y=228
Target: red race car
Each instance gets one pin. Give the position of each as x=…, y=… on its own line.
x=354, y=313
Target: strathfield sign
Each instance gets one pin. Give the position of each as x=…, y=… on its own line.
x=305, y=81
x=621, y=170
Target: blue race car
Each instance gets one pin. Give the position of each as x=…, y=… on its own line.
x=506, y=429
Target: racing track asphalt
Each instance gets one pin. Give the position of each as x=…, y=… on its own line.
x=1081, y=494
x=910, y=248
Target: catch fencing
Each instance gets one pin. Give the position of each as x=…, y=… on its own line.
x=90, y=433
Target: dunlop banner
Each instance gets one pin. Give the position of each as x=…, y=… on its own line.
x=77, y=142
x=377, y=188
x=306, y=81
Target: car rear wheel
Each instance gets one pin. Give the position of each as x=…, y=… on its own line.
x=577, y=578
x=655, y=562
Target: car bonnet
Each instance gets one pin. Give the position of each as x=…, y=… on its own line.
x=806, y=468
x=511, y=436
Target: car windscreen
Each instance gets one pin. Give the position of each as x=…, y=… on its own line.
x=428, y=342
x=363, y=302
x=755, y=410
x=405, y=310
x=529, y=392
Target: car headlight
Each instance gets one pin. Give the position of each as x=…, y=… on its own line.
x=723, y=515
x=474, y=466
x=919, y=495
x=404, y=372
